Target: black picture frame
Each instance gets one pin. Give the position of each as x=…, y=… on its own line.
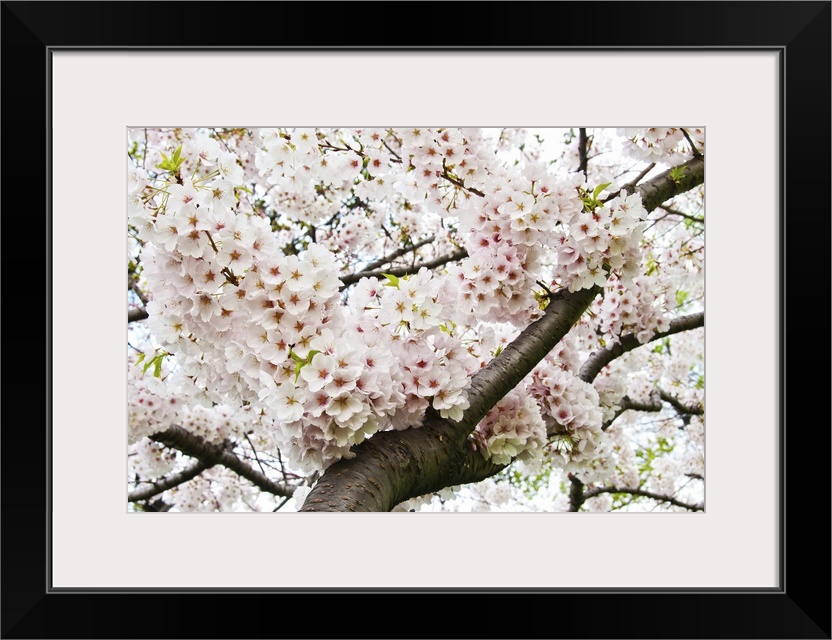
x=31, y=608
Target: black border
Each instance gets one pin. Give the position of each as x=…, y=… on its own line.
x=800, y=31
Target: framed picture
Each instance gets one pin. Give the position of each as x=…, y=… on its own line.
x=77, y=76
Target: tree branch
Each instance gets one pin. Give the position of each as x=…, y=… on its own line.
x=458, y=183
x=626, y=404
x=394, y=466
x=683, y=215
x=681, y=409
x=663, y=186
x=576, y=493
x=696, y=152
x=634, y=182
x=160, y=486
x=212, y=454
x=367, y=271
x=134, y=315
x=134, y=287
x=352, y=278
x=398, y=253
x=601, y=358
x=582, y=151
x=591, y=493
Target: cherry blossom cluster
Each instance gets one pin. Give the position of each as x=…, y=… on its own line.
x=667, y=146
x=435, y=367
x=513, y=428
x=215, y=489
x=570, y=409
x=260, y=327
x=611, y=390
x=149, y=459
x=535, y=216
x=154, y=405
x=631, y=307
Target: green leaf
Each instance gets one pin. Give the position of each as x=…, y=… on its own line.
x=393, y=281
x=140, y=359
x=681, y=297
x=677, y=173
x=599, y=189
x=498, y=350
x=157, y=367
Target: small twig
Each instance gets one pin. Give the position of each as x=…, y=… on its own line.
x=633, y=183
x=682, y=215
x=544, y=287
x=254, y=451
x=458, y=183
x=282, y=470
x=696, y=152
x=397, y=157
x=282, y=502
x=591, y=493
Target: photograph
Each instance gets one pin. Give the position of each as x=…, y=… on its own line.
x=454, y=264
x=417, y=319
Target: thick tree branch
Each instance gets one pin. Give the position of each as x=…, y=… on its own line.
x=394, y=466
x=517, y=360
x=601, y=358
x=212, y=454
x=160, y=486
x=590, y=493
x=352, y=278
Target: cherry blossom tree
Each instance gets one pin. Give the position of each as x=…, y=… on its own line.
x=415, y=319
